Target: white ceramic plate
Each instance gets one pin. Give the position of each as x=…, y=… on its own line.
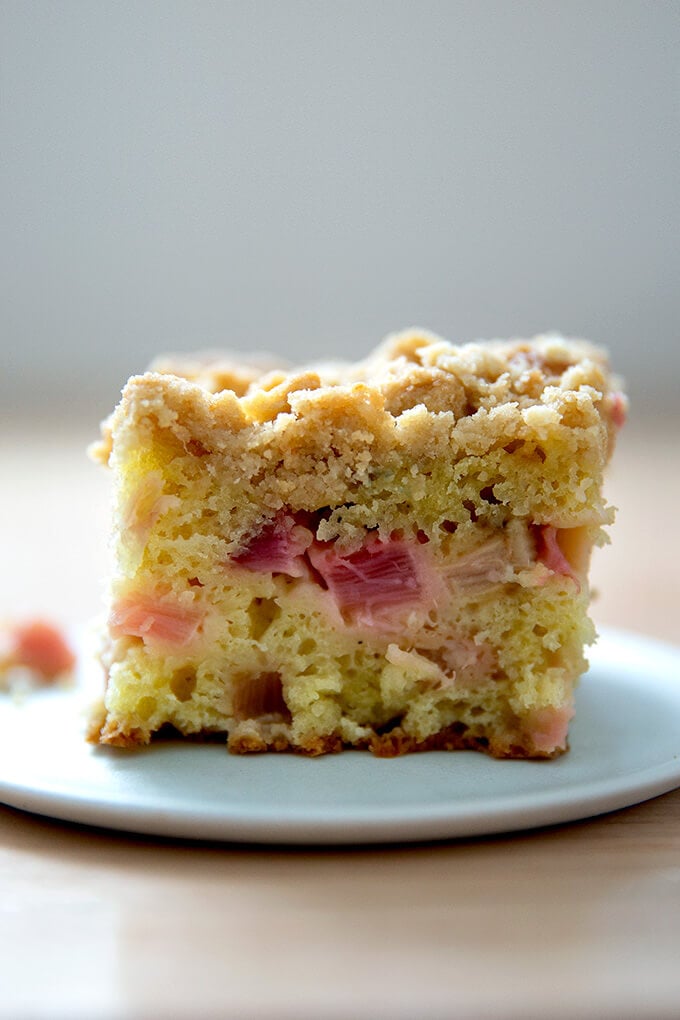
x=625, y=748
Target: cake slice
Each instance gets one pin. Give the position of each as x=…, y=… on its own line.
x=390, y=555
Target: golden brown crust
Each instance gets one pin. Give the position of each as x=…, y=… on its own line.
x=251, y=743
x=114, y=735
x=409, y=369
x=311, y=431
x=217, y=370
x=95, y=721
x=391, y=745
x=387, y=745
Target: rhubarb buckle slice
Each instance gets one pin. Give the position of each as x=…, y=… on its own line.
x=390, y=555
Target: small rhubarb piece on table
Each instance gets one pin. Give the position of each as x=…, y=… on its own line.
x=35, y=650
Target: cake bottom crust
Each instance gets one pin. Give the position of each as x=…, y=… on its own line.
x=394, y=744
x=385, y=745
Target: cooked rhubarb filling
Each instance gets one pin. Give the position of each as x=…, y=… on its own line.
x=391, y=555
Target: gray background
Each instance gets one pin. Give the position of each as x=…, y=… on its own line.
x=305, y=177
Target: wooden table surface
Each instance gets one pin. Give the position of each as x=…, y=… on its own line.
x=578, y=920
